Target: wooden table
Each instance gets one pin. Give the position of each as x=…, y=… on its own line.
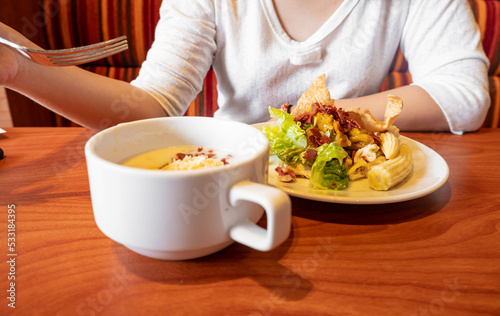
x=436, y=255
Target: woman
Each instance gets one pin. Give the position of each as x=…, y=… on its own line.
x=267, y=52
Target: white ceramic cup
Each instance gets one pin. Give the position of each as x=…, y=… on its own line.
x=178, y=215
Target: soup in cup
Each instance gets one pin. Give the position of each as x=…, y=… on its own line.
x=185, y=212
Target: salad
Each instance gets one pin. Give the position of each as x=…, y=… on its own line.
x=332, y=146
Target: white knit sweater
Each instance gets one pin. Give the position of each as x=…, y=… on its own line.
x=258, y=65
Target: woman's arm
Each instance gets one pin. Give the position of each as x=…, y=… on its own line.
x=169, y=80
x=88, y=99
x=442, y=44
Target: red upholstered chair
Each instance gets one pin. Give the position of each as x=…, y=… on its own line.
x=487, y=13
x=54, y=24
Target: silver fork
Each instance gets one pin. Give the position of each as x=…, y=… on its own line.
x=71, y=56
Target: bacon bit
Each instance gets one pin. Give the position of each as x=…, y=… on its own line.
x=342, y=117
x=317, y=139
x=377, y=139
x=285, y=174
x=338, y=114
x=315, y=132
x=325, y=140
x=199, y=153
x=310, y=154
x=315, y=108
x=307, y=118
x=314, y=143
x=303, y=118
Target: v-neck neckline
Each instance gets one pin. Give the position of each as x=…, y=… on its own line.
x=330, y=24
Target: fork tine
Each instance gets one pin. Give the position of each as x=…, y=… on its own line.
x=76, y=54
x=88, y=58
x=72, y=56
x=75, y=50
x=71, y=60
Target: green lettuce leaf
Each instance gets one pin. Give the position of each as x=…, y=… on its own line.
x=328, y=170
x=286, y=138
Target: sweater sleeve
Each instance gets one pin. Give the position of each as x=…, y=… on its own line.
x=181, y=54
x=442, y=44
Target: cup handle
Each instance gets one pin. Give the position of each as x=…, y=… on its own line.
x=278, y=208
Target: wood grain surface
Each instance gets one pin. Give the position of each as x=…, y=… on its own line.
x=436, y=255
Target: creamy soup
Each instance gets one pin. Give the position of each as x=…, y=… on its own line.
x=180, y=158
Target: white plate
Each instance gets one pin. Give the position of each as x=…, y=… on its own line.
x=430, y=172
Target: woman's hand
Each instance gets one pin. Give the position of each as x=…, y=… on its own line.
x=10, y=62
